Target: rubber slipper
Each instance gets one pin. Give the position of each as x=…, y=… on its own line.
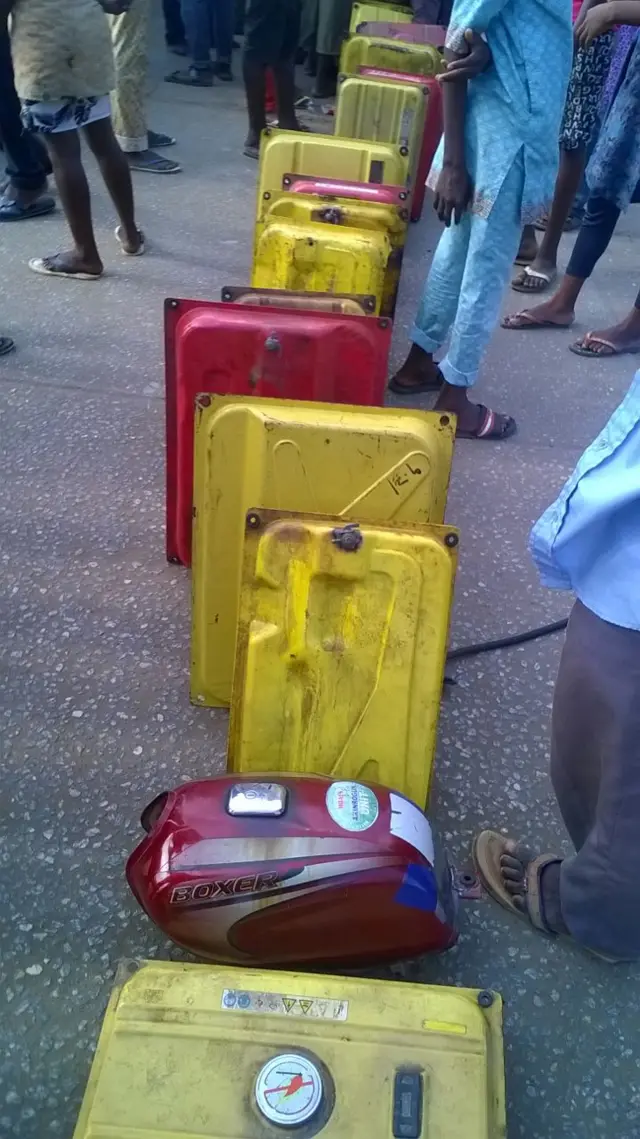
x=190, y=78
x=13, y=211
x=583, y=347
x=492, y=426
x=251, y=151
x=158, y=141
x=415, y=389
x=138, y=252
x=44, y=266
x=488, y=849
x=6, y=345
x=528, y=274
x=526, y=320
x=150, y=163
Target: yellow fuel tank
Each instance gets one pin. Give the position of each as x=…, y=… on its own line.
x=195, y=1051
x=377, y=217
x=365, y=464
x=383, y=112
x=325, y=156
x=341, y=649
x=318, y=258
x=390, y=55
x=379, y=13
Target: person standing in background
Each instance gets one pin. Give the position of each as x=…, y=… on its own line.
x=208, y=24
x=129, y=33
x=272, y=29
x=63, y=62
x=174, y=33
x=580, y=124
x=495, y=169
x=333, y=25
x=23, y=191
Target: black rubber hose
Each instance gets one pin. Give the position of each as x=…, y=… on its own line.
x=507, y=642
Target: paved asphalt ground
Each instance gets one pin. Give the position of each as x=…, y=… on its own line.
x=94, y=628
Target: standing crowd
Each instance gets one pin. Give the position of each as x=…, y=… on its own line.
x=541, y=113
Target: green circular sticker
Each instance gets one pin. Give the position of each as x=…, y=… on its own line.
x=352, y=806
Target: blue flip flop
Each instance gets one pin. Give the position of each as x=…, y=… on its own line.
x=13, y=211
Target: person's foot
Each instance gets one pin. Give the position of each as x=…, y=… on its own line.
x=252, y=144
x=419, y=373
x=191, y=77
x=179, y=48
x=149, y=162
x=474, y=420
x=72, y=264
x=616, y=341
x=223, y=71
x=554, y=313
x=536, y=277
x=20, y=205
x=131, y=242
x=158, y=141
x=6, y=345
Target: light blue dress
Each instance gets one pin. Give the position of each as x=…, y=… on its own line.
x=512, y=123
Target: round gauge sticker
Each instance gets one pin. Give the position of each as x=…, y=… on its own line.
x=289, y=1089
x=352, y=806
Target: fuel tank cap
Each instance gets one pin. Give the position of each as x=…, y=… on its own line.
x=251, y=800
x=289, y=1089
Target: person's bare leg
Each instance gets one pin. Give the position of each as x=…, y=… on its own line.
x=73, y=190
x=115, y=171
x=418, y=373
x=284, y=78
x=254, y=74
x=572, y=163
x=528, y=250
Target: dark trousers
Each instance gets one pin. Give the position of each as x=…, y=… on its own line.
x=209, y=23
x=596, y=230
x=27, y=165
x=595, y=770
x=173, y=25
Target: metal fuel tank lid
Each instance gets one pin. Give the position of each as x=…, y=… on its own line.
x=263, y=800
x=289, y=1089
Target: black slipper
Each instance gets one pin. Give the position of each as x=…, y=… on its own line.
x=13, y=211
x=190, y=78
x=6, y=345
x=415, y=389
x=158, y=141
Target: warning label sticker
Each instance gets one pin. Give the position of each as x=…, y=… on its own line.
x=282, y=1004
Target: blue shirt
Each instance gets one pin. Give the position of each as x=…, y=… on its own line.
x=589, y=540
x=517, y=103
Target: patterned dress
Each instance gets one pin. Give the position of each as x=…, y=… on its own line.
x=614, y=170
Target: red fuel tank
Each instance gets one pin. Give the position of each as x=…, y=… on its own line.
x=293, y=870
x=230, y=349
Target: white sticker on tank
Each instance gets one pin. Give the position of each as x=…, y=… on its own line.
x=409, y=823
x=284, y=1004
x=352, y=806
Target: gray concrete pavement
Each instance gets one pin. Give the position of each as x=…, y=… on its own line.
x=94, y=711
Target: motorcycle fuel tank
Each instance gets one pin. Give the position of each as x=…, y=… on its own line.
x=293, y=870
